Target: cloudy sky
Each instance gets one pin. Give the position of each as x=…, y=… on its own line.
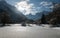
x=33, y=6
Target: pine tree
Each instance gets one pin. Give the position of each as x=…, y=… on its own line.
x=43, y=19
x=5, y=18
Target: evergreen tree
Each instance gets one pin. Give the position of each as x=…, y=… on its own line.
x=5, y=18
x=43, y=19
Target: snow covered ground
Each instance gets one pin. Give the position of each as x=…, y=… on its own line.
x=18, y=31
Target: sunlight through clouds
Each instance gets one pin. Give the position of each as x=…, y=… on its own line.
x=30, y=8
x=26, y=8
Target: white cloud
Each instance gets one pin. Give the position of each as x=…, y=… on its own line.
x=29, y=8
x=25, y=0
x=50, y=7
x=46, y=5
x=26, y=8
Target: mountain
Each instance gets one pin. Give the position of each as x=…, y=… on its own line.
x=14, y=14
x=37, y=16
x=53, y=17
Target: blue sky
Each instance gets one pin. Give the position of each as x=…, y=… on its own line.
x=33, y=1
x=33, y=6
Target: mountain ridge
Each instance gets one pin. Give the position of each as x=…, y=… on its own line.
x=15, y=15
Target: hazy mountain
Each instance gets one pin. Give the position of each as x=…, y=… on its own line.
x=37, y=16
x=15, y=15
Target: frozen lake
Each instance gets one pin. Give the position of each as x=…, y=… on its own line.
x=17, y=31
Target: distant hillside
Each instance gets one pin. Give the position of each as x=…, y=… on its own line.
x=14, y=14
